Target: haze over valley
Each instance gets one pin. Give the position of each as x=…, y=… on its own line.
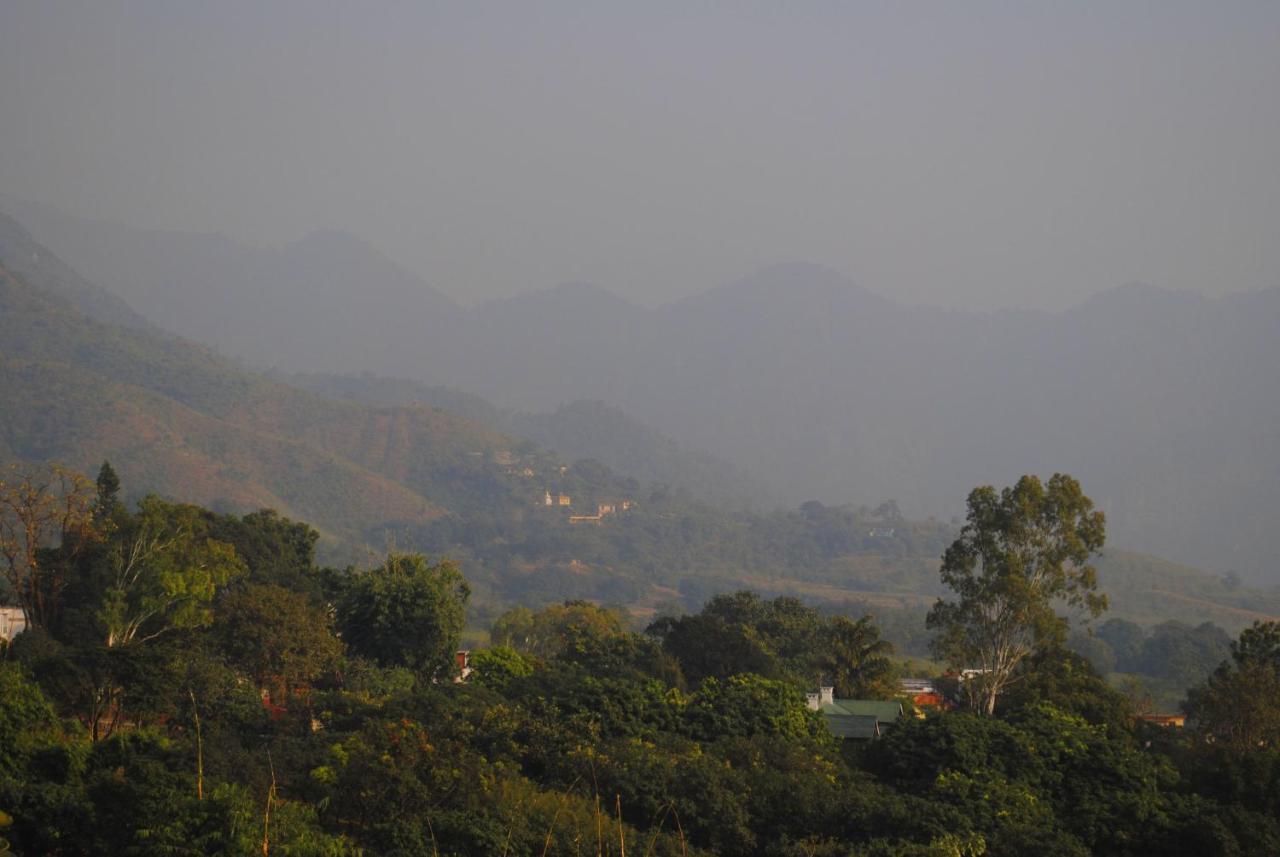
x=1165, y=403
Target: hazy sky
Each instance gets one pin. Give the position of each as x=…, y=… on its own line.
x=973, y=153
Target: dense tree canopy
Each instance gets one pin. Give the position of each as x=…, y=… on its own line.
x=1022, y=552
x=164, y=570
x=406, y=612
x=576, y=735
x=856, y=660
x=1237, y=704
x=557, y=628
x=277, y=636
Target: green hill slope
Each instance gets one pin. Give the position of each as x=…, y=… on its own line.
x=580, y=429
x=180, y=420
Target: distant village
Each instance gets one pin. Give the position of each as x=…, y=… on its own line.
x=603, y=509
x=529, y=467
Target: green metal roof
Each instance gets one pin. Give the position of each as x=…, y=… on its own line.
x=884, y=711
x=857, y=726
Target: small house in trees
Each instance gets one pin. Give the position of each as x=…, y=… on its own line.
x=857, y=727
x=603, y=510
x=12, y=622
x=923, y=693
x=859, y=719
x=563, y=500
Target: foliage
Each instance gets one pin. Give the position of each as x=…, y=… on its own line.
x=1157, y=664
x=577, y=736
x=1068, y=682
x=498, y=666
x=1258, y=643
x=277, y=636
x=25, y=718
x=741, y=632
x=1021, y=551
x=1237, y=704
x=276, y=550
x=857, y=660
x=556, y=629
x=749, y=706
x=38, y=511
x=406, y=612
x=165, y=569
x=781, y=638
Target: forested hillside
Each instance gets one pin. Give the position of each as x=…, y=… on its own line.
x=188, y=423
x=1162, y=401
x=581, y=429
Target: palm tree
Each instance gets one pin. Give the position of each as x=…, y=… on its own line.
x=857, y=659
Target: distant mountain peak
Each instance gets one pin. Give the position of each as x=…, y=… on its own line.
x=787, y=281
x=574, y=297
x=335, y=246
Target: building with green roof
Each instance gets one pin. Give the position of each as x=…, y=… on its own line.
x=860, y=719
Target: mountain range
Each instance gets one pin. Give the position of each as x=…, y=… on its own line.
x=1165, y=404
x=368, y=460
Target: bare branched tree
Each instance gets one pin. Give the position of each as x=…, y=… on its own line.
x=41, y=509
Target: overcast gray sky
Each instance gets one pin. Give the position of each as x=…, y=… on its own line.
x=961, y=154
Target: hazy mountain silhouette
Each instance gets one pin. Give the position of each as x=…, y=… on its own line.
x=1165, y=404
x=178, y=419
x=326, y=302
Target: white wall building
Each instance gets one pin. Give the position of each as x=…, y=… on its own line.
x=12, y=622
